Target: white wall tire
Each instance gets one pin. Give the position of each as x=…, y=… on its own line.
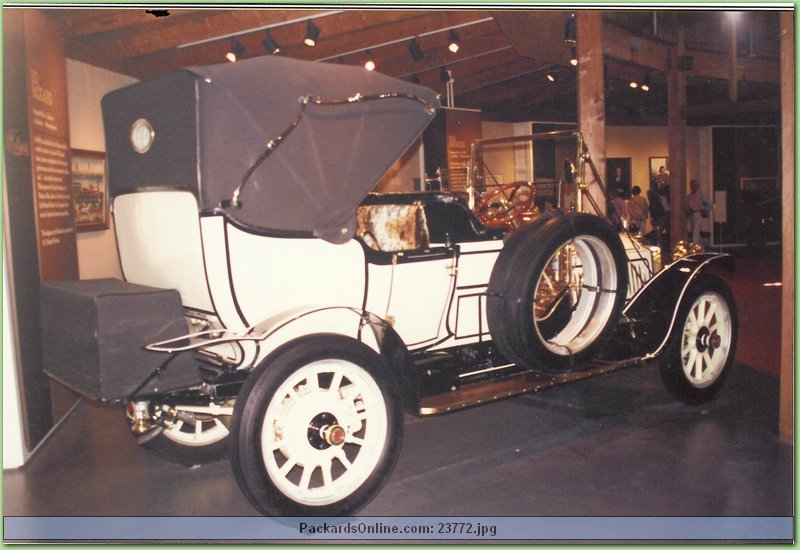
x=557, y=293
x=702, y=347
x=317, y=429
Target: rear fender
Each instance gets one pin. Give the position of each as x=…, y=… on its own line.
x=368, y=328
x=654, y=307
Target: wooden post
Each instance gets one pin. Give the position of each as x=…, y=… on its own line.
x=786, y=417
x=591, y=95
x=733, y=81
x=676, y=140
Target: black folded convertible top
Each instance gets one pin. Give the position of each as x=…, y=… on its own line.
x=295, y=145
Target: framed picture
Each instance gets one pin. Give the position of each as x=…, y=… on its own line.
x=618, y=175
x=659, y=172
x=89, y=190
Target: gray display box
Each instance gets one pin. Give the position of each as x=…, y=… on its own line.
x=93, y=333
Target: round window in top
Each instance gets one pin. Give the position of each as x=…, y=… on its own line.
x=142, y=135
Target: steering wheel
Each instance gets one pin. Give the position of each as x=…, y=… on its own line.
x=506, y=205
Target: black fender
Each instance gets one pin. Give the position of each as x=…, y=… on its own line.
x=649, y=316
x=394, y=351
x=274, y=334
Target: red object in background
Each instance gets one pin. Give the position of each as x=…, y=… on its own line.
x=758, y=298
x=508, y=206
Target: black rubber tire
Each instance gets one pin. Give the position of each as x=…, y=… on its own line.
x=705, y=335
x=179, y=449
x=573, y=330
x=284, y=397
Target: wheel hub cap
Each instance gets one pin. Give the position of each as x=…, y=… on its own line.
x=333, y=435
x=324, y=431
x=706, y=340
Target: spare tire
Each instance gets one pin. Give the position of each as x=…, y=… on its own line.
x=556, y=292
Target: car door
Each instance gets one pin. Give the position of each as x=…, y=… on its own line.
x=422, y=283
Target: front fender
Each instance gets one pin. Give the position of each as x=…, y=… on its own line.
x=360, y=325
x=650, y=314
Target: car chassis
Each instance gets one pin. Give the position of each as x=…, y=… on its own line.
x=289, y=317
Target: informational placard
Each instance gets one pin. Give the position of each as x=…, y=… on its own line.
x=49, y=126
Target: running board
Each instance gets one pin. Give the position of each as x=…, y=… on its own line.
x=481, y=393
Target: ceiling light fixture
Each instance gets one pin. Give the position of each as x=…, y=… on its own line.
x=270, y=44
x=415, y=50
x=453, y=46
x=445, y=75
x=633, y=84
x=570, y=31
x=370, y=63
x=236, y=52
x=645, y=87
x=573, y=57
x=550, y=77
x=312, y=33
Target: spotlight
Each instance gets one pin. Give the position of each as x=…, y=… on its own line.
x=236, y=51
x=633, y=84
x=645, y=87
x=270, y=45
x=312, y=33
x=445, y=75
x=570, y=33
x=370, y=63
x=415, y=50
x=550, y=77
x=453, y=47
x=573, y=57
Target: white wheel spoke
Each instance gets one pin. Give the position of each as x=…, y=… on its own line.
x=710, y=312
x=287, y=467
x=355, y=440
x=311, y=383
x=708, y=359
x=691, y=362
x=699, y=365
x=336, y=382
x=327, y=475
x=275, y=445
x=343, y=459
x=305, y=478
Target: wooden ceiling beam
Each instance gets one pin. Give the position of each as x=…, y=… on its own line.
x=82, y=22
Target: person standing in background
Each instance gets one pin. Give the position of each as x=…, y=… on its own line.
x=638, y=210
x=617, y=209
x=697, y=208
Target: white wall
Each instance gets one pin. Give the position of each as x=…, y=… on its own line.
x=86, y=85
x=14, y=454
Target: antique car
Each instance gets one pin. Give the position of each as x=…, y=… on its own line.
x=276, y=311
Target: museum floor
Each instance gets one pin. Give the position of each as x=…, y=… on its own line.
x=615, y=445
